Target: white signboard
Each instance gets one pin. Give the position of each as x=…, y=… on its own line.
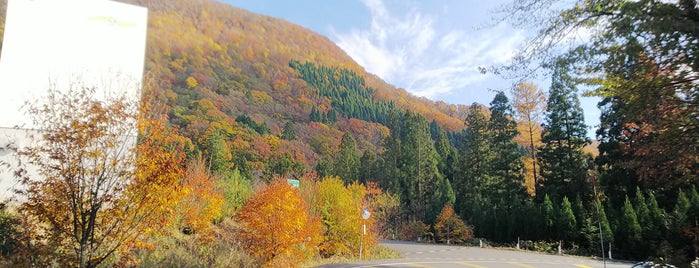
x=63, y=44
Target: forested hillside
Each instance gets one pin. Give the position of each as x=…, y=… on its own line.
x=213, y=62
x=235, y=104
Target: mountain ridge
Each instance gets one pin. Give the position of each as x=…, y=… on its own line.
x=267, y=41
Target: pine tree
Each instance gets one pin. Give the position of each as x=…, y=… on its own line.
x=288, y=132
x=447, y=155
x=567, y=225
x=315, y=115
x=443, y=195
x=368, y=167
x=332, y=116
x=580, y=212
x=657, y=216
x=606, y=227
x=629, y=231
x=656, y=231
x=563, y=163
x=417, y=164
x=475, y=158
x=346, y=161
x=388, y=176
x=506, y=169
x=682, y=209
x=642, y=212
x=694, y=202
x=549, y=216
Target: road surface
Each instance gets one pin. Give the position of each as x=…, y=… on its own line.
x=443, y=256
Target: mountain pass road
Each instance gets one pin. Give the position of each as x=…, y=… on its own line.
x=444, y=256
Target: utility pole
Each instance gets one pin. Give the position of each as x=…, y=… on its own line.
x=599, y=219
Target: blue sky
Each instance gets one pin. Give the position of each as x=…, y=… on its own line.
x=430, y=48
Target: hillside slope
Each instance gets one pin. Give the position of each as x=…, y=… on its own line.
x=225, y=77
x=199, y=35
x=211, y=63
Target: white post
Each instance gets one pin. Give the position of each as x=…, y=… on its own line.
x=610, y=250
x=481, y=242
x=361, y=238
x=518, y=242
x=365, y=215
x=560, y=251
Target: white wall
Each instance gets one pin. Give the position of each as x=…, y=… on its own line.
x=61, y=44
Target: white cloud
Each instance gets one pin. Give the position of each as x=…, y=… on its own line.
x=414, y=51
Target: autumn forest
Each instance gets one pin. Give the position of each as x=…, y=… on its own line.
x=236, y=104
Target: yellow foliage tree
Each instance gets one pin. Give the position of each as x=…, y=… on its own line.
x=192, y=82
x=530, y=103
x=340, y=208
x=90, y=195
x=201, y=201
x=277, y=228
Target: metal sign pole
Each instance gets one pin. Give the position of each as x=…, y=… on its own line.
x=365, y=215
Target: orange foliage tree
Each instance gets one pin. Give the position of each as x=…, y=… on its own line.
x=450, y=228
x=87, y=194
x=201, y=201
x=160, y=166
x=276, y=226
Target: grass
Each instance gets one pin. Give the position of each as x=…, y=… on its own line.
x=379, y=252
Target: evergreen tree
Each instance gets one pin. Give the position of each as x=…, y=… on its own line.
x=628, y=233
x=642, y=212
x=581, y=215
x=682, y=235
x=282, y=165
x=606, y=227
x=315, y=115
x=549, y=216
x=325, y=166
x=474, y=164
x=417, y=165
x=368, y=166
x=435, y=129
x=694, y=201
x=506, y=169
x=657, y=217
x=288, y=132
x=563, y=163
x=388, y=163
x=323, y=117
x=682, y=209
x=591, y=231
x=657, y=232
x=332, y=116
x=443, y=195
x=346, y=161
x=615, y=176
x=447, y=155
x=567, y=225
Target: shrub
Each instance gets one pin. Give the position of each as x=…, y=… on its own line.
x=181, y=250
x=415, y=231
x=450, y=228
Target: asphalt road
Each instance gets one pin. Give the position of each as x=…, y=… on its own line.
x=443, y=256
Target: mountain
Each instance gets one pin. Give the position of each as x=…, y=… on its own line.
x=231, y=77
